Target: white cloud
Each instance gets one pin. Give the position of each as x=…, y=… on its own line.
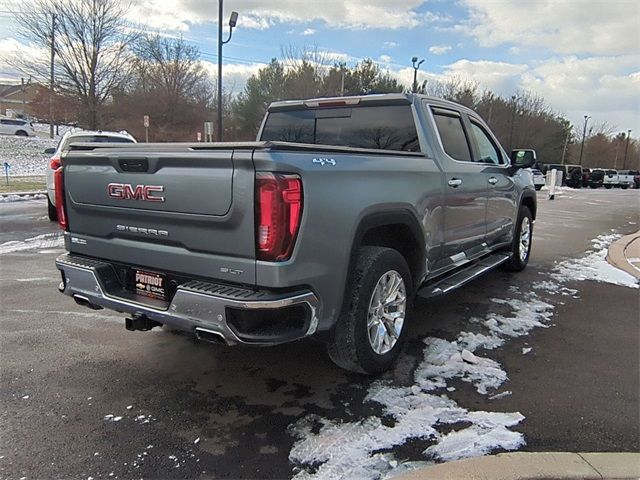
x=604, y=87
x=563, y=26
x=354, y=14
x=385, y=58
x=439, y=49
x=308, y=31
x=387, y=45
x=234, y=75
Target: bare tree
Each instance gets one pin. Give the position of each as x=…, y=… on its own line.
x=92, y=54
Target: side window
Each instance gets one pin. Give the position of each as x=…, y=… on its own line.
x=452, y=135
x=487, y=149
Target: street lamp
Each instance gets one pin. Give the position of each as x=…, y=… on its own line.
x=626, y=150
x=584, y=134
x=415, y=72
x=233, y=19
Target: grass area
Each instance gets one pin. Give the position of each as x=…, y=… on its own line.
x=23, y=184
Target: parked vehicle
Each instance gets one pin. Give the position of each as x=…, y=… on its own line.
x=75, y=136
x=626, y=179
x=574, y=176
x=636, y=178
x=16, y=126
x=596, y=177
x=610, y=179
x=539, y=179
x=585, y=177
x=329, y=224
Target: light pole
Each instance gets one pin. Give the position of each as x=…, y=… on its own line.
x=626, y=150
x=514, y=100
x=416, y=66
x=233, y=19
x=584, y=134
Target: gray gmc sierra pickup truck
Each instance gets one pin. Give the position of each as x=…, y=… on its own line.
x=330, y=223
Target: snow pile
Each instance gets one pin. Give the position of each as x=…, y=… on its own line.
x=360, y=449
x=594, y=266
x=46, y=240
x=353, y=449
x=21, y=198
x=25, y=155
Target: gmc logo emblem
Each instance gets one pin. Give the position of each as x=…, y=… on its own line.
x=125, y=191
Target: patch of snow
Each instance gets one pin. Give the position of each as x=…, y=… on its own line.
x=21, y=198
x=197, y=440
x=46, y=240
x=443, y=360
x=594, y=266
x=497, y=396
x=526, y=350
x=25, y=397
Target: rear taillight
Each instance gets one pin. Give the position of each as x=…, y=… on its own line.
x=278, y=214
x=55, y=163
x=58, y=177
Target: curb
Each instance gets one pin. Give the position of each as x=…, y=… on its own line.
x=621, y=251
x=539, y=466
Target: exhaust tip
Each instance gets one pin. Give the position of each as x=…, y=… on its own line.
x=210, y=336
x=84, y=302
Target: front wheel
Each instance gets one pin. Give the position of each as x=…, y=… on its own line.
x=370, y=331
x=538, y=187
x=521, y=246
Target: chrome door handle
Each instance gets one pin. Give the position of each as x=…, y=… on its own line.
x=455, y=182
x=493, y=180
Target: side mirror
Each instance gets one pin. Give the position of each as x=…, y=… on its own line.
x=50, y=151
x=523, y=158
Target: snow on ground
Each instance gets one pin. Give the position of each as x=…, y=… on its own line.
x=44, y=241
x=21, y=198
x=362, y=448
x=594, y=266
x=25, y=155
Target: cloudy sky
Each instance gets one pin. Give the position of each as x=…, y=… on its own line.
x=583, y=57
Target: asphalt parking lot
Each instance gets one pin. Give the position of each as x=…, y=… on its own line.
x=82, y=397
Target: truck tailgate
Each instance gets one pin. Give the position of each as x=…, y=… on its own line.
x=173, y=208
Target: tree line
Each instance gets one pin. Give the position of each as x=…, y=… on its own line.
x=108, y=74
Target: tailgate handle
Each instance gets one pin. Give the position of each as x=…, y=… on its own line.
x=134, y=164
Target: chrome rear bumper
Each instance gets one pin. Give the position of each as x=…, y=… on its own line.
x=196, y=306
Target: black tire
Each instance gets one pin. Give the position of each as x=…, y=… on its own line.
x=607, y=186
x=516, y=263
x=349, y=346
x=22, y=133
x=624, y=187
x=538, y=187
x=51, y=211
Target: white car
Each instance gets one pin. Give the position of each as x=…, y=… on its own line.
x=626, y=179
x=16, y=126
x=76, y=136
x=610, y=179
x=539, y=179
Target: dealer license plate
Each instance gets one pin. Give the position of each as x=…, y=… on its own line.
x=150, y=284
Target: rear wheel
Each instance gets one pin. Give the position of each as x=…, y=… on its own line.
x=521, y=246
x=371, y=328
x=51, y=211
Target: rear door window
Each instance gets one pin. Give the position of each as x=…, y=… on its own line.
x=452, y=134
x=389, y=127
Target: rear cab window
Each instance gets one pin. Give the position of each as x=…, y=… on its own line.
x=382, y=127
x=93, y=139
